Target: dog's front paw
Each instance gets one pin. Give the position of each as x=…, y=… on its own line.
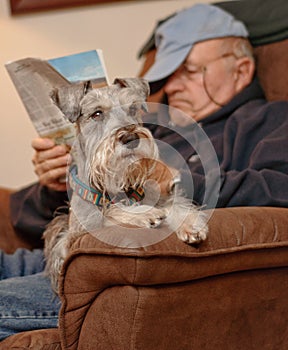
x=138, y=216
x=152, y=218
x=194, y=228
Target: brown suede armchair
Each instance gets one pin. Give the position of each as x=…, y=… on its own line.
x=231, y=292
x=228, y=293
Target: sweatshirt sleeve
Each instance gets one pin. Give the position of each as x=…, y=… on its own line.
x=254, y=167
x=248, y=187
x=32, y=208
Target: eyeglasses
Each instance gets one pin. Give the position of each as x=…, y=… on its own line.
x=196, y=72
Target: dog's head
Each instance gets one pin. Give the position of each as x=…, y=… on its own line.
x=77, y=100
x=116, y=150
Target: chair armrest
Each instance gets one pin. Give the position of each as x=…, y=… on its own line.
x=9, y=241
x=240, y=239
x=6, y=229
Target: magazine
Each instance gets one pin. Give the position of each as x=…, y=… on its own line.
x=35, y=78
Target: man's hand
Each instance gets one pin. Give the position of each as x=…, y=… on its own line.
x=50, y=163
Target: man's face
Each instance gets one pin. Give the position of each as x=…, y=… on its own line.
x=203, y=83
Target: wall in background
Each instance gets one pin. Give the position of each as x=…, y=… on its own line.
x=118, y=28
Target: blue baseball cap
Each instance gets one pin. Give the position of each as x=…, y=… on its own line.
x=175, y=38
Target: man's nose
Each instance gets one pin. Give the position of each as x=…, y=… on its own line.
x=173, y=83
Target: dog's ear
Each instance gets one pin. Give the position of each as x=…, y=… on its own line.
x=68, y=98
x=139, y=84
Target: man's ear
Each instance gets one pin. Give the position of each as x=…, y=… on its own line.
x=244, y=73
x=68, y=98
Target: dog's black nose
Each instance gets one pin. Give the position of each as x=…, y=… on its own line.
x=130, y=140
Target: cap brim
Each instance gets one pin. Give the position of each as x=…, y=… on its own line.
x=166, y=64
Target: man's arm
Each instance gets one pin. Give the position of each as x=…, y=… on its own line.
x=254, y=168
x=33, y=207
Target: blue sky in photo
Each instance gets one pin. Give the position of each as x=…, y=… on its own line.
x=78, y=67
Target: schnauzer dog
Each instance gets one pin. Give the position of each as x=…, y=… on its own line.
x=114, y=157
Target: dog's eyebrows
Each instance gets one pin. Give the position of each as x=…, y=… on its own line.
x=130, y=96
x=104, y=105
x=96, y=99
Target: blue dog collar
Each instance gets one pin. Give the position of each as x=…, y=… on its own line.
x=96, y=197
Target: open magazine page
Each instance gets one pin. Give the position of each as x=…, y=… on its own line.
x=34, y=79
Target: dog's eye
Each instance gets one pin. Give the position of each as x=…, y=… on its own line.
x=97, y=114
x=133, y=110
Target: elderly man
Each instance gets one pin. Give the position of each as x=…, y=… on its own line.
x=206, y=64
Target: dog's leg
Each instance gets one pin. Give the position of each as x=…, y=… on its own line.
x=138, y=216
x=193, y=229
x=56, y=247
x=188, y=222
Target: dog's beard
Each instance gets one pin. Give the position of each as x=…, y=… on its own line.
x=116, y=167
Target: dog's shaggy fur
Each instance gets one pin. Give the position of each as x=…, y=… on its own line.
x=114, y=153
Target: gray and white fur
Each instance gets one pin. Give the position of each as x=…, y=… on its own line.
x=114, y=152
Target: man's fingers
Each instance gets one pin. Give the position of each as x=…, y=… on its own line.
x=58, y=186
x=40, y=143
x=44, y=155
x=52, y=164
x=52, y=176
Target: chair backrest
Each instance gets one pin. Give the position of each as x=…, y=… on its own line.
x=272, y=68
